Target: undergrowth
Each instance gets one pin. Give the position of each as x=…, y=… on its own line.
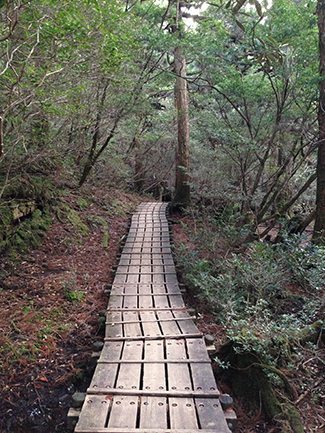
x=267, y=296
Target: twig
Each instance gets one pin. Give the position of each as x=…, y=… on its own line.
x=305, y=394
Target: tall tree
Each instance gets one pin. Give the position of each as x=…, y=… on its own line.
x=319, y=229
x=182, y=186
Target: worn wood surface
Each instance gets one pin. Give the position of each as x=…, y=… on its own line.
x=154, y=374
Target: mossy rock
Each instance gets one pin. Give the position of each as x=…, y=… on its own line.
x=34, y=187
x=24, y=235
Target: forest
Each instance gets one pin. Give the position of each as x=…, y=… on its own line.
x=216, y=107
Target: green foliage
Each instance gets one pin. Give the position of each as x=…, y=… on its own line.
x=71, y=293
x=250, y=293
x=74, y=295
x=306, y=264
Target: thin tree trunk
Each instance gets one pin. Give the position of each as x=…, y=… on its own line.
x=319, y=229
x=138, y=166
x=182, y=186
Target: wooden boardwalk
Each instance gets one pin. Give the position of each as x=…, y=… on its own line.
x=154, y=374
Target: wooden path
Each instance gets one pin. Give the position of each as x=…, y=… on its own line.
x=154, y=374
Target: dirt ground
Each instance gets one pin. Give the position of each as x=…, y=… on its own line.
x=50, y=303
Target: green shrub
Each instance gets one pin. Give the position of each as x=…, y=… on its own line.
x=306, y=263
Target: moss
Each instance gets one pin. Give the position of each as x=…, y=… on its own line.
x=250, y=381
x=6, y=217
x=117, y=207
x=293, y=418
x=27, y=233
x=106, y=238
x=36, y=187
x=311, y=332
x=65, y=212
x=6, y=222
x=83, y=203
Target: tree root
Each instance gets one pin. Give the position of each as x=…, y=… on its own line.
x=250, y=381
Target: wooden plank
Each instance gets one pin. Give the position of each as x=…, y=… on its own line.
x=171, y=319
x=146, y=250
x=196, y=348
x=145, y=277
x=111, y=351
x=94, y=413
x=129, y=376
x=209, y=410
x=140, y=295
x=147, y=309
x=105, y=374
x=187, y=326
x=159, y=337
x=161, y=301
x=153, y=410
x=171, y=279
x=158, y=393
x=168, y=323
x=132, y=326
x=211, y=415
x=154, y=430
x=203, y=378
x=150, y=326
x=140, y=256
x=157, y=361
x=176, y=300
x=115, y=331
x=152, y=244
x=120, y=279
x=124, y=412
x=136, y=288
x=130, y=301
x=124, y=408
x=182, y=411
x=145, y=298
x=132, y=276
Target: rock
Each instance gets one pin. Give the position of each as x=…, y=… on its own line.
x=226, y=401
x=98, y=345
x=78, y=399
x=209, y=339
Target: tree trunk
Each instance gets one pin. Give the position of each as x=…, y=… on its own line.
x=138, y=166
x=319, y=229
x=182, y=186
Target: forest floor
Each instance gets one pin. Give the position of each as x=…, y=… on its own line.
x=50, y=300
